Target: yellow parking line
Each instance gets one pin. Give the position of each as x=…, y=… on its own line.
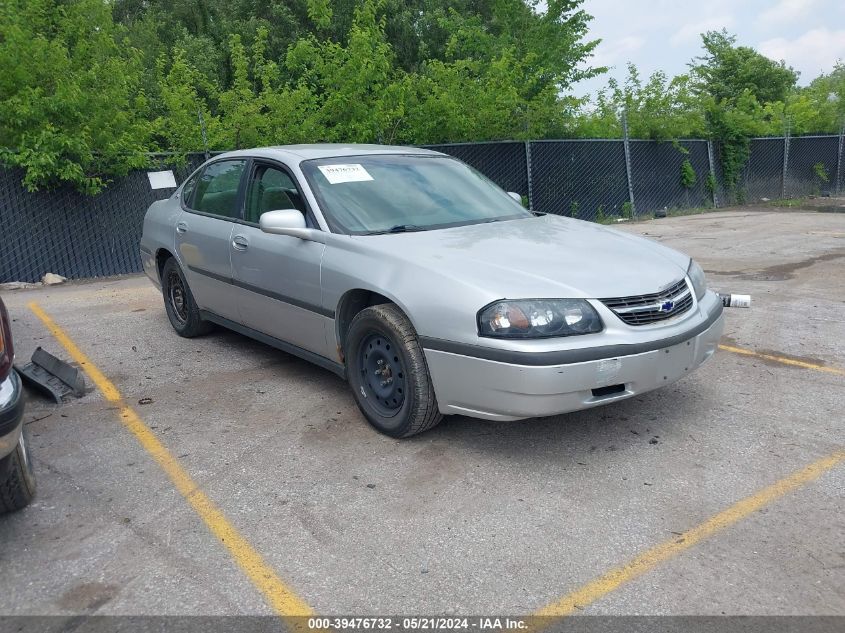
x=611, y=580
x=783, y=360
x=280, y=597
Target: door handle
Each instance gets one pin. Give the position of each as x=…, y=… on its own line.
x=240, y=243
x=181, y=227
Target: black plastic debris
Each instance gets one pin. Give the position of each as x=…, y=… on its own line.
x=52, y=376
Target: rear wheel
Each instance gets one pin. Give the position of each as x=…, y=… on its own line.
x=179, y=303
x=388, y=373
x=17, y=478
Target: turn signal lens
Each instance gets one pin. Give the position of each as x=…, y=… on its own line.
x=509, y=317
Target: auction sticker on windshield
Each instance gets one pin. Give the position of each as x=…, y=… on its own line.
x=337, y=174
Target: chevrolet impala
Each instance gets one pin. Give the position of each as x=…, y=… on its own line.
x=428, y=288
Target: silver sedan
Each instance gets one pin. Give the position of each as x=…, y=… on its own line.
x=428, y=288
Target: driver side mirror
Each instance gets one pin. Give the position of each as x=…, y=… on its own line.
x=289, y=222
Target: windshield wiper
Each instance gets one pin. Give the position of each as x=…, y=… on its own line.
x=399, y=228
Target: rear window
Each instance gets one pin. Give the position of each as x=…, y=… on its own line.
x=217, y=188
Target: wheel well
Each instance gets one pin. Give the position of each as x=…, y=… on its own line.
x=161, y=257
x=351, y=304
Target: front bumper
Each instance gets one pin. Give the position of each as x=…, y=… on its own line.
x=496, y=390
x=11, y=414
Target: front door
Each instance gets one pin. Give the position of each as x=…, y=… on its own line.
x=278, y=276
x=204, y=235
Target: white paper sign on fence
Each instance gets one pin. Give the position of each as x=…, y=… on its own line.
x=161, y=179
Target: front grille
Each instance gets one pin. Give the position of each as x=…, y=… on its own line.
x=645, y=309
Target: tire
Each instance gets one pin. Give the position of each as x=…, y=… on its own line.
x=17, y=479
x=388, y=373
x=179, y=303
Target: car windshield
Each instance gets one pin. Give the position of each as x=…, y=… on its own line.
x=397, y=193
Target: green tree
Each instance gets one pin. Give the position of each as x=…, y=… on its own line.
x=502, y=74
x=181, y=90
x=659, y=109
x=367, y=70
x=240, y=107
x=358, y=92
x=736, y=83
x=71, y=108
x=727, y=71
x=732, y=124
x=203, y=28
x=467, y=100
x=820, y=107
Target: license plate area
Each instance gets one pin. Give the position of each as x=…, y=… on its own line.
x=675, y=361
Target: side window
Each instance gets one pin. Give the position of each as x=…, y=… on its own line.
x=217, y=188
x=270, y=189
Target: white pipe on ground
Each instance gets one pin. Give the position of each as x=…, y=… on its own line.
x=735, y=301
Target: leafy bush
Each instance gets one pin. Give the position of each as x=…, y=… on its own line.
x=820, y=172
x=688, y=177
x=601, y=217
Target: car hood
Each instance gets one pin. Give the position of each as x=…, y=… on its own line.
x=545, y=256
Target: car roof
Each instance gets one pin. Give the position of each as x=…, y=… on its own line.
x=326, y=150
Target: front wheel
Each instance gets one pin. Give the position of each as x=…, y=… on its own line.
x=388, y=373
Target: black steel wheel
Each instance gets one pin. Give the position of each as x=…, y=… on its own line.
x=388, y=373
x=182, y=310
x=176, y=296
x=382, y=373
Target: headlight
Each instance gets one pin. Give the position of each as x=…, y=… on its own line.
x=538, y=318
x=696, y=276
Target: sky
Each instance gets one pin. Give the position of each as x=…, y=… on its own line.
x=663, y=35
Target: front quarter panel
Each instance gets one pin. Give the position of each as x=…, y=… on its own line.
x=436, y=303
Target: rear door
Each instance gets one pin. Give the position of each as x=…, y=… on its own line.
x=204, y=234
x=278, y=276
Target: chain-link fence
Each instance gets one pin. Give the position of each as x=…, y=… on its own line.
x=812, y=166
x=504, y=163
x=64, y=232
x=581, y=179
x=762, y=176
